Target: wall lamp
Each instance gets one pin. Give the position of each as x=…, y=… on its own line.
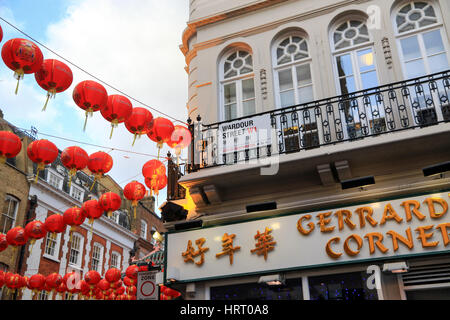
x=357, y=182
x=435, y=169
x=189, y=225
x=396, y=267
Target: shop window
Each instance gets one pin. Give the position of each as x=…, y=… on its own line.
x=347, y=286
x=292, y=290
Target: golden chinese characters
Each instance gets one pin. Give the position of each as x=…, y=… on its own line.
x=191, y=253
x=264, y=243
x=227, y=247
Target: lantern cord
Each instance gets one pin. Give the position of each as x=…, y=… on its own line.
x=93, y=183
x=134, y=140
x=46, y=102
x=17, y=86
x=90, y=74
x=110, y=135
x=85, y=121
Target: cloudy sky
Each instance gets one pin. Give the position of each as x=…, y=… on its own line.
x=132, y=45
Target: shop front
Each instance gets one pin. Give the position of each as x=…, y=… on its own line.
x=385, y=249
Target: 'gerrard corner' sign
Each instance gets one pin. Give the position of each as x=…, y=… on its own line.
x=400, y=227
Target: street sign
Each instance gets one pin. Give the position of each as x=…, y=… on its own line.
x=147, y=289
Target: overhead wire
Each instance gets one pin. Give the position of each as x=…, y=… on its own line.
x=90, y=74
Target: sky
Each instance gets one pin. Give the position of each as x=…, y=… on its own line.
x=132, y=45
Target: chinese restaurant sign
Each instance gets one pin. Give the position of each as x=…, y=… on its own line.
x=248, y=133
x=407, y=226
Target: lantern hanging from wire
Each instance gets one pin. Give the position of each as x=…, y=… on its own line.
x=35, y=230
x=42, y=152
x=138, y=123
x=134, y=191
x=36, y=283
x=52, y=282
x=74, y=158
x=10, y=145
x=153, y=171
x=55, y=224
x=92, y=277
x=16, y=237
x=61, y=289
x=156, y=183
x=73, y=217
x=22, y=56
x=181, y=138
x=90, y=96
x=132, y=272
x=92, y=210
x=3, y=243
x=110, y=202
x=160, y=131
x=117, y=110
x=53, y=76
x=99, y=164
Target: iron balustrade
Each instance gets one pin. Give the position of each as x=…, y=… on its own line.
x=408, y=104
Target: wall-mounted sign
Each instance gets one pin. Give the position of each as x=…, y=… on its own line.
x=245, y=134
x=147, y=288
x=407, y=226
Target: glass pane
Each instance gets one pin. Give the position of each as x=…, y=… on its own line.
x=433, y=42
x=285, y=79
x=344, y=65
x=365, y=60
x=287, y=98
x=303, y=75
x=426, y=22
x=347, y=85
x=305, y=94
x=249, y=107
x=415, y=69
x=229, y=92
x=410, y=48
x=248, y=89
x=438, y=63
x=230, y=111
x=369, y=80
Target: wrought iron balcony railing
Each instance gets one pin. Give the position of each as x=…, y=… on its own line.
x=409, y=104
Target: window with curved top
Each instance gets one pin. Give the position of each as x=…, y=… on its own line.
x=423, y=45
x=237, y=85
x=292, y=68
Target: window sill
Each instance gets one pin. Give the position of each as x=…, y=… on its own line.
x=73, y=266
x=47, y=256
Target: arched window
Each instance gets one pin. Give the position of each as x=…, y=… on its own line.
x=292, y=66
x=422, y=40
x=237, y=85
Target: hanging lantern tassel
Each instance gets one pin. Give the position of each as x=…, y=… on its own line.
x=72, y=229
x=159, y=145
x=91, y=222
x=71, y=174
x=135, y=136
x=40, y=167
x=89, y=113
x=114, y=124
x=32, y=241
x=18, y=74
x=50, y=94
x=96, y=177
x=178, y=153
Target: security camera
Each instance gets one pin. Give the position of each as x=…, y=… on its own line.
x=396, y=267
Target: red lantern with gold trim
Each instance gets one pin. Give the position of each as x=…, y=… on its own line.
x=16, y=236
x=42, y=152
x=73, y=217
x=110, y=202
x=92, y=210
x=160, y=131
x=99, y=164
x=35, y=230
x=53, y=76
x=90, y=96
x=156, y=183
x=22, y=56
x=36, y=283
x=10, y=145
x=134, y=191
x=112, y=275
x=3, y=243
x=74, y=158
x=153, y=167
x=118, y=109
x=138, y=123
x=132, y=272
x=55, y=223
x=181, y=138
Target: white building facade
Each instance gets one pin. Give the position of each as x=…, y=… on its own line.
x=326, y=122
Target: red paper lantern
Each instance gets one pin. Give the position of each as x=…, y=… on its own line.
x=157, y=183
x=73, y=217
x=138, y=122
x=99, y=164
x=112, y=275
x=42, y=152
x=153, y=168
x=120, y=290
x=10, y=145
x=181, y=138
x=3, y=243
x=110, y=202
x=35, y=230
x=92, y=277
x=53, y=76
x=128, y=281
x=61, y=289
x=131, y=290
x=55, y=223
x=1, y=38
x=92, y=210
x=36, y=283
x=103, y=284
x=132, y=272
x=117, y=110
x=160, y=131
x=134, y=191
x=52, y=282
x=85, y=288
x=13, y=281
x=17, y=236
x=90, y=96
x=22, y=56
x=74, y=158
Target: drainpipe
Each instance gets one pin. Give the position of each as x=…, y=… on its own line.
x=32, y=204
